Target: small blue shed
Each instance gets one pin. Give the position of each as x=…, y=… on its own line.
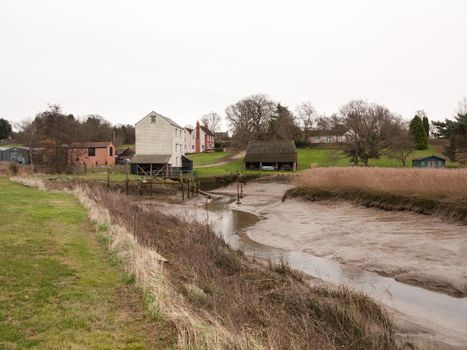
x=429, y=162
x=15, y=154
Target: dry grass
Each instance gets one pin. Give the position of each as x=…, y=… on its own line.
x=219, y=299
x=444, y=184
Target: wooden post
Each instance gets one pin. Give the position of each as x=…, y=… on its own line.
x=238, y=188
x=85, y=168
x=181, y=187
x=150, y=187
x=187, y=188
x=108, y=178
x=126, y=179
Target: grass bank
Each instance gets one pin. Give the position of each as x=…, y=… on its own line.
x=59, y=287
x=427, y=191
x=218, y=298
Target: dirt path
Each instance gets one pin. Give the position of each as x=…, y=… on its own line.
x=227, y=160
x=412, y=248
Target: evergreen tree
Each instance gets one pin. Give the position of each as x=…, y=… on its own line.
x=417, y=131
x=426, y=126
x=5, y=128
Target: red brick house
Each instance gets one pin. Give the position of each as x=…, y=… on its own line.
x=91, y=153
x=204, y=139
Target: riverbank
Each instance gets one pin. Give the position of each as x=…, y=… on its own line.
x=441, y=192
x=219, y=298
x=411, y=248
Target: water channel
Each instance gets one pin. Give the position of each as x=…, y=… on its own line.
x=444, y=313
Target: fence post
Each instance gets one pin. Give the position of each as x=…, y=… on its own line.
x=181, y=187
x=126, y=180
x=108, y=178
x=238, y=188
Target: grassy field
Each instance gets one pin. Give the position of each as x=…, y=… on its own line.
x=58, y=286
x=208, y=158
x=314, y=158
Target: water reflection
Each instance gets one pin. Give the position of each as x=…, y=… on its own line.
x=432, y=307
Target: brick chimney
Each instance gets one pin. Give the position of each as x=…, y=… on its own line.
x=197, y=137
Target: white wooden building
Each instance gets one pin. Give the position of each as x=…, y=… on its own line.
x=159, y=145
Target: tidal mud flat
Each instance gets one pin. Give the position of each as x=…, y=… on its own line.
x=415, y=249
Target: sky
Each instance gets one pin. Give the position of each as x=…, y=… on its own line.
x=123, y=59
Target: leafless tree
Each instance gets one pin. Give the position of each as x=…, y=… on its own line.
x=249, y=119
x=462, y=106
x=307, y=115
x=368, y=129
x=400, y=142
x=212, y=121
x=26, y=135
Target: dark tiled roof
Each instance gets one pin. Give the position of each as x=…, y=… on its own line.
x=432, y=156
x=271, y=151
x=190, y=130
x=206, y=130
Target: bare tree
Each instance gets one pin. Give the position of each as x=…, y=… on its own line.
x=249, y=119
x=368, y=129
x=307, y=115
x=462, y=106
x=212, y=121
x=400, y=144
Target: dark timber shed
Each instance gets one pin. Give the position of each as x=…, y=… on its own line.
x=269, y=155
x=429, y=162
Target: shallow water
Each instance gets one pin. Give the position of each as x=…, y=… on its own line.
x=446, y=314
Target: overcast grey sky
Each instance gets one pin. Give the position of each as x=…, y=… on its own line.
x=122, y=59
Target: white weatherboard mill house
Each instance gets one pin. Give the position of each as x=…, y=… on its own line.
x=160, y=145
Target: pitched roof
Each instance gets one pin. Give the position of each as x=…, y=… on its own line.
x=206, y=130
x=428, y=157
x=190, y=130
x=102, y=144
x=167, y=119
x=151, y=158
x=271, y=151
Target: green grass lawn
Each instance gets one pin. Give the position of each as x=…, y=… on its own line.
x=207, y=158
x=322, y=158
x=58, y=286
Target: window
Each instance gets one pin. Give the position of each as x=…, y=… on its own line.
x=440, y=163
x=91, y=151
x=153, y=119
x=202, y=146
x=192, y=146
x=422, y=163
x=111, y=151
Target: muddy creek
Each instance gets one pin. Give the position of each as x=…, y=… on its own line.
x=328, y=240
x=433, y=311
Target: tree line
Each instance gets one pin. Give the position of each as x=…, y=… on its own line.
x=371, y=130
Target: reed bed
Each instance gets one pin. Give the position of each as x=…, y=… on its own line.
x=441, y=184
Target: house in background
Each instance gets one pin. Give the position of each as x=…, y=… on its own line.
x=271, y=155
x=91, y=153
x=204, y=139
x=16, y=154
x=160, y=146
x=337, y=135
x=189, y=140
x=429, y=162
